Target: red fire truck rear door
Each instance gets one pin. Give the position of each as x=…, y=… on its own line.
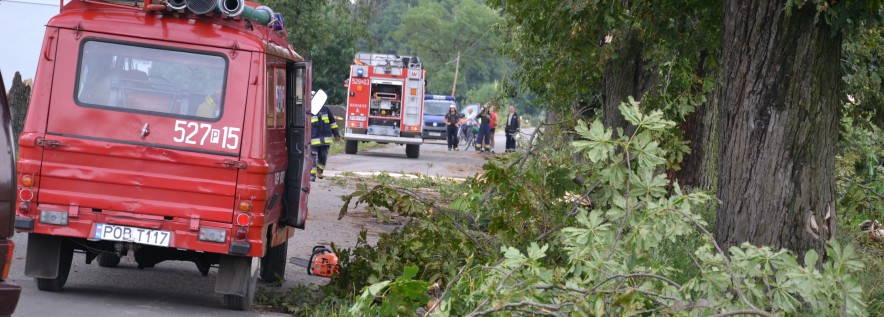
x=144, y=127
x=297, y=182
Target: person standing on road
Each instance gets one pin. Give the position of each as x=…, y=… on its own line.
x=483, y=143
x=322, y=127
x=493, y=125
x=451, y=119
x=512, y=129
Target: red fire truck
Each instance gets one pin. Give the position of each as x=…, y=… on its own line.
x=171, y=130
x=385, y=102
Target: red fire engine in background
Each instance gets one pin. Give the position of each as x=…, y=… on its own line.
x=385, y=100
x=166, y=130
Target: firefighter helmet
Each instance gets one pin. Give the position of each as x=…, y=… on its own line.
x=318, y=100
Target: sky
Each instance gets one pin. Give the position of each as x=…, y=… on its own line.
x=22, y=25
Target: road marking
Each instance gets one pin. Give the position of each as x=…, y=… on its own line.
x=394, y=175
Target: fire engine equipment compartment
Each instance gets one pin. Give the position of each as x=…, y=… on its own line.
x=385, y=109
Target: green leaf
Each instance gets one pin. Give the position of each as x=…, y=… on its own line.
x=375, y=289
x=630, y=111
x=535, y=252
x=409, y=272
x=599, y=307
x=810, y=258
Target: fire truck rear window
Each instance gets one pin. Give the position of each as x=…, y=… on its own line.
x=154, y=80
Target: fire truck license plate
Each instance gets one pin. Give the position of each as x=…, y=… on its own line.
x=105, y=231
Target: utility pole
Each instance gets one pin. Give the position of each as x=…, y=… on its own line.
x=456, y=69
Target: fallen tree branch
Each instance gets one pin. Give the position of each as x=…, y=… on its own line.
x=451, y=215
x=627, y=210
x=550, y=308
x=755, y=312
x=448, y=287
x=575, y=207
x=864, y=187
x=646, y=275
x=727, y=263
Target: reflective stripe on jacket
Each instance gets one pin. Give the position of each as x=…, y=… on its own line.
x=323, y=128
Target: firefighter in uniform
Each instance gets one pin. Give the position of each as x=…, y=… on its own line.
x=483, y=139
x=324, y=131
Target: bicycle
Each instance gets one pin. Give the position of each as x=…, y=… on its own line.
x=466, y=136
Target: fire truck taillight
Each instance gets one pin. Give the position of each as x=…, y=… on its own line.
x=245, y=205
x=24, y=208
x=359, y=88
x=241, y=233
x=414, y=91
x=243, y=220
x=27, y=180
x=25, y=195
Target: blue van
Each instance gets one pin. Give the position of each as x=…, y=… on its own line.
x=435, y=108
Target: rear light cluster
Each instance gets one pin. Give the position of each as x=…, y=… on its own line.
x=243, y=219
x=25, y=194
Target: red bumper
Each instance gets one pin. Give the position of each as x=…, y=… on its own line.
x=185, y=231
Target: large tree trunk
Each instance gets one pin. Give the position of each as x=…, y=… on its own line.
x=625, y=75
x=779, y=97
x=700, y=129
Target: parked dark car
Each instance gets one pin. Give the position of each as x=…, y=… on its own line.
x=9, y=292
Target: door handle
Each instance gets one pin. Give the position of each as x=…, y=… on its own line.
x=145, y=131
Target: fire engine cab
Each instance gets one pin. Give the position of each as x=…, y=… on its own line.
x=385, y=102
x=171, y=130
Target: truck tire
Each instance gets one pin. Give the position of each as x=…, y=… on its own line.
x=273, y=263
x=412, y=150
x=242, y=303
x=350, y=147
x=107, y=259
x=65, y=257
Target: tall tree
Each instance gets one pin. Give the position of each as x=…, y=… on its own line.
x=627, y=74
x=780, y=92
x=384, y=18
x=19, y=97
x=440, y=31
x=325, y=32
x=605, y=51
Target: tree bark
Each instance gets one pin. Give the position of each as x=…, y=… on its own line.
x=700, y=129
x=779, y=127
x=19, y=97
x=625, y=75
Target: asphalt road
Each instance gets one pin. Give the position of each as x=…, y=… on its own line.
x=175, y=288
x=434, y=160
